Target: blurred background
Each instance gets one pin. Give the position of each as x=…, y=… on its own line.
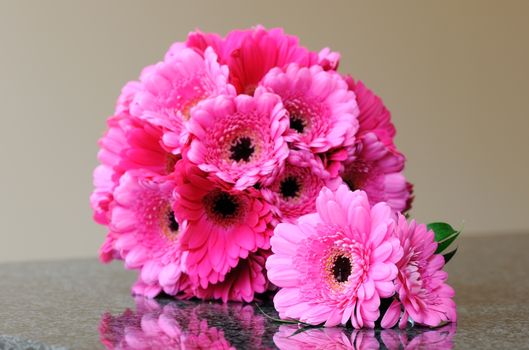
x=454, y=75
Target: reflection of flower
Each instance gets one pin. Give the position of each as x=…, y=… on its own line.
x=291, y=337
x=169, y=324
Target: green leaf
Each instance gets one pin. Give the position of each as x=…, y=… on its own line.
x=444, y=235
x=449, y=256
x=442, y=230
x=442, y=245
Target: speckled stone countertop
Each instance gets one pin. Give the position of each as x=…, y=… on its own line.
x=81, y=304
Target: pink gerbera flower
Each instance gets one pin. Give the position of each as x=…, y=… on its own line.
x=146, y=233
x=129, y=143
x=250, y=54
x=335, y=265
x=223, y=225
x=322, y=111
x=421, y=285
x=239, y=139
x=172, y=87
x=242, y=282
x=373, y=116
x=377, y=169
x=295, y=190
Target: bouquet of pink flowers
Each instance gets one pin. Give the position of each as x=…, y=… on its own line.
x=247, y=164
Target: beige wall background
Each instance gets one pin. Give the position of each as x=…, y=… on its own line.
x=454, y=73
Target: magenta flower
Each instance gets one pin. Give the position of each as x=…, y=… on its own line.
x=377, y=169
x=373, y=116
x=146, y=233
x=295, y=190
x=335, y=265
x=223, y=226
x=250, y=54
x=241, y=283
x=239, y=140
x=421, y=285
x=171, y=88
x=129, y=143
x=322, y=111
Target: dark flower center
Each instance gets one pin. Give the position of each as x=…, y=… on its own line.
x=350, y=182
x=289, y=187
x=297, y=123
x=173, y=225
x=341, y=269
x=242, y=149
x=225, y=205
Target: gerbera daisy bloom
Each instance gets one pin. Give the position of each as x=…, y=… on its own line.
x=373, y=116
x=129, y=143
x=241, y=283
x=322, y=111
x=146, y=233
x=172, y=87
x=250, y=54
x=296, y=188
x=144, y=149
x=377, y=169
x=334, y=265
x=239, y=139
x=223, y=225
x=421, y=285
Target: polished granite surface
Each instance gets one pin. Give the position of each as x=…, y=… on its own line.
x=81, y=304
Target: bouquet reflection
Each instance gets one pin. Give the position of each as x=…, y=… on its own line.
x=174, y=324
x=292, y=337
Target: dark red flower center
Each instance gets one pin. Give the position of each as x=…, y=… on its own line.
x=223, y=208
x=351, y=183
x=342, y=268
x=289, y=187
x=172, y=223
x=225, y=205
x=297, y=123
x=242, y=149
